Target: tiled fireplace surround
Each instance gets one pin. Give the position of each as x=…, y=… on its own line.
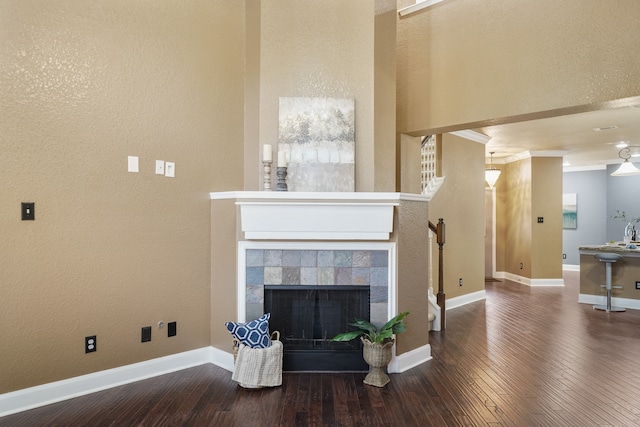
x=338, y=264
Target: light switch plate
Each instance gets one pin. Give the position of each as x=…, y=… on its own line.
x=159, y=167
x=170, y=169
x=133, y=163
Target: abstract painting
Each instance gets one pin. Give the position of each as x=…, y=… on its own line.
x=318, y=137
x=569, y=211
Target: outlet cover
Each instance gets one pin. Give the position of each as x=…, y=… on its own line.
x=172, y=329
x=170, y=169
x=159, y=167
x=146, y=334
x=90, y=344
x=28, y=211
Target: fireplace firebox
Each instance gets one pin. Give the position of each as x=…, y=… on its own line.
x=309, y=316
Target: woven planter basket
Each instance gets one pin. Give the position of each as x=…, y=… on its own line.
x=378, y=357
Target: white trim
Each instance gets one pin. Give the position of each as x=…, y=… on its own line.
x=629, y=303
x=570, y=267
x=420, y=4
x=456, y=302
x=410, y=359
x=530, y=282
x=33, y=397
x=58, y=391
x=584, y=168
x=222, y=359
x=472, y=136
x=528, y=154
x=315, y=196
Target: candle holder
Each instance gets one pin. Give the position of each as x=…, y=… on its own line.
x=266, y=179
x=281, y=172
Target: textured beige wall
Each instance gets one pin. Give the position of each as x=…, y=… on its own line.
x=468, y=61
x=83, y=85
x=320, y=49
x=384, y=102
x=546, y=202
x=225, y=233
x=460, y=202
x=412, y=235
x=528, y=189
x=516, y=217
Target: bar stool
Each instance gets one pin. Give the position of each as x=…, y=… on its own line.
x=609, y=259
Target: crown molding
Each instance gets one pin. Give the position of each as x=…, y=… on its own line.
x=529, y=154
x=472, y=136
x=417, y=7
x=584, y=168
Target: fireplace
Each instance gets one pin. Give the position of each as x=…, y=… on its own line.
x=309, y=316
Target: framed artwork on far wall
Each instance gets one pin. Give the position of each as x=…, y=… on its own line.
x=569, y=211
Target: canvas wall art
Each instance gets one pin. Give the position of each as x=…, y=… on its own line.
x=569, y=211
x=318, y=137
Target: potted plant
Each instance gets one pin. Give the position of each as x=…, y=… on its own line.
x=377, y=350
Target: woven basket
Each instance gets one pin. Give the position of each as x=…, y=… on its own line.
x=275, y=336
x=378, y=357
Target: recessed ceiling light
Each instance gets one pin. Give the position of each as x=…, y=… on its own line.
x=622, y=144
x=605, y=128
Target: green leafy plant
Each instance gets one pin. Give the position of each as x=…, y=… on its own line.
x=622, y=216
x=371, y=332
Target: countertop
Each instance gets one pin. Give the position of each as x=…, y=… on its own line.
x=618, y=248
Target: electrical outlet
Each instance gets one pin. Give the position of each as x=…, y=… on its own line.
x=564, y=256
x=146, y=334
x=172, y=329
x=460, y=281
x=521, y=266
x=540, y=220
x=637, y=285
x=90, y=344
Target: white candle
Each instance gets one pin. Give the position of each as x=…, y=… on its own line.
x=282, y=159
x=266, y=153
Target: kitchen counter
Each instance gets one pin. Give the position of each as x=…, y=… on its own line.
x=618, y=248
x=625, y=273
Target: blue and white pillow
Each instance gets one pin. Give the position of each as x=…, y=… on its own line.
x=254, y=334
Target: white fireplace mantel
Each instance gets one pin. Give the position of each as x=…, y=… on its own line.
x=274, y=215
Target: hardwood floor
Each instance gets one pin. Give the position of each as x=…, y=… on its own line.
x=524, y=357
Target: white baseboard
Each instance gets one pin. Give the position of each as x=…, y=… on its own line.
x=410, y=359
x=222, y=359
x=571, y=267
x=33, y=397
x=465, y=299
x=629, y=303
x=46, y=394
x=530, y=282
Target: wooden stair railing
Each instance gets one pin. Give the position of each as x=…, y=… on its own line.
x=439, y=230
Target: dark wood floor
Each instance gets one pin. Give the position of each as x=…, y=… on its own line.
x=524, y=357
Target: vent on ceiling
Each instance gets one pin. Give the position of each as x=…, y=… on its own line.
x=605, y=128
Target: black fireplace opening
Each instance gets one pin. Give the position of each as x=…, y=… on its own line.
x=308, y=317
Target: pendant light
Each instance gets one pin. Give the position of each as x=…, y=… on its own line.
x=626, y=168
x=491, y=174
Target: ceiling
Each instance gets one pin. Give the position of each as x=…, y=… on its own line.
x=572, y=133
